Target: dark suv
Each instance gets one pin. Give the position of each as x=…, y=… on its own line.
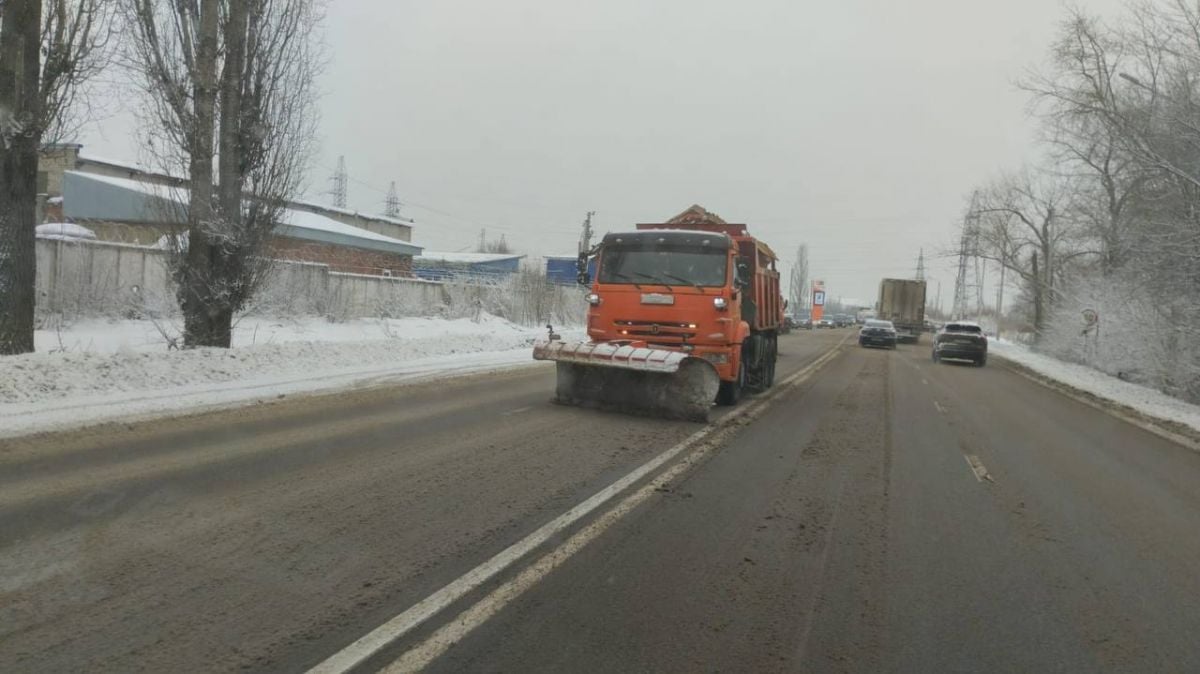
x=877, y=333
x=961, y=341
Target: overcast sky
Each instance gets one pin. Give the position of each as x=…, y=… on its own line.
x=856, y=126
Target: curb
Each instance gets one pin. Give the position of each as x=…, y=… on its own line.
x=1173, y=431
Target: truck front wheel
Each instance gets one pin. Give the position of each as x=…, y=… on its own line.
x=731, y=391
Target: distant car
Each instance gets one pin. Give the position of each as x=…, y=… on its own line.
x=826, y=323
x=843, y=321
x=795, y=323
x=877, y=333
x=960, y=340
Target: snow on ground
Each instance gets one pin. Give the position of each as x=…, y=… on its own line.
x=106, y=336
x=101, y=370
x=1145, y=400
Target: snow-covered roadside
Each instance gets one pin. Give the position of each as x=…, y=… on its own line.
x=1144, y=400
x=126, y=370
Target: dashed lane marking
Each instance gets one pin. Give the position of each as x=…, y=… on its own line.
x=516, y=411
x=939, y=407
x=977, y=467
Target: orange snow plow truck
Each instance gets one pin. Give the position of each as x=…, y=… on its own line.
x=682, y=314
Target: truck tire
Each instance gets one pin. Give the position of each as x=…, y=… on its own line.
x=731, y=391
x=772, y=355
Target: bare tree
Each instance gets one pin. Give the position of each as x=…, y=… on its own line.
x=231, y=87
x=20, y=114
x=1087, y=149
x=798, y=283
x=1023, y=228
x=78, y=41
x=48, y=56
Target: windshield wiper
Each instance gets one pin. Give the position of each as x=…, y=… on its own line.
x=683, y=280
x=619, y=275
x=655, y=279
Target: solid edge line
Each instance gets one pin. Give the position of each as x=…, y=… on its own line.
x=1109, y=406
x=457, y=628
x=380, y=637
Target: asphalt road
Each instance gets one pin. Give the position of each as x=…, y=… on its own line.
x=878, y=513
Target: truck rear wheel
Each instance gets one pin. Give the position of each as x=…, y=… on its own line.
x=772, y=355
x=731, y=391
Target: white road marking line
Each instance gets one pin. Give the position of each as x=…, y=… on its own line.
x=516, y=411
x=977, y=467
x=370, y=644
x=939, y=407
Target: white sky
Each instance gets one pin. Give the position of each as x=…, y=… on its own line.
x=857, y=126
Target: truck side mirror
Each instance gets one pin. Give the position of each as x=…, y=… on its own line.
x=743, y=273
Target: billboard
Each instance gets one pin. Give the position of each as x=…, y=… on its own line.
x=818, y=300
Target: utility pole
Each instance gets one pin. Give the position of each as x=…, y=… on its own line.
x=339, y=181
x=483, y=240
x=391, y=205
x=585, y=247
x=585, y=239
x=1037, y=298
x=1000, y=300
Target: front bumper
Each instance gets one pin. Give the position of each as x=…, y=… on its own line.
x=877, y=341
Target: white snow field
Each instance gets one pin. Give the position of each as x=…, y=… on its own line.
x=100, y=370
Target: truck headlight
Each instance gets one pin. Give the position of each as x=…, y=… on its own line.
x=593, y=299
x=720, y=303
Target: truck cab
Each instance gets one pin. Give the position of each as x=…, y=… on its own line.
x=671, y=289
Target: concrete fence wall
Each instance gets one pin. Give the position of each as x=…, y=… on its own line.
x=89, y=278
x=92, y=278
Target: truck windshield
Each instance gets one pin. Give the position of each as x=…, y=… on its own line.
x=672, y=266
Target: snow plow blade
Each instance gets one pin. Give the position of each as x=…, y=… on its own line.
x=635, y=380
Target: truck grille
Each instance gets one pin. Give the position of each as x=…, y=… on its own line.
x=659, y=330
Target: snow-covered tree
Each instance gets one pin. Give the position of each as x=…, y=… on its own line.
x=231, y=94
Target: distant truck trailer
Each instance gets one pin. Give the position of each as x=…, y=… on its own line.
x=902, y=301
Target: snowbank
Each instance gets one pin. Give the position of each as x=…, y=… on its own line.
x=100, y=370
x=64, y=231
x=1144, y=400
x=109, y=336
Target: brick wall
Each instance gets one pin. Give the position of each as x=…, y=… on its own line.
x=341, y=258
